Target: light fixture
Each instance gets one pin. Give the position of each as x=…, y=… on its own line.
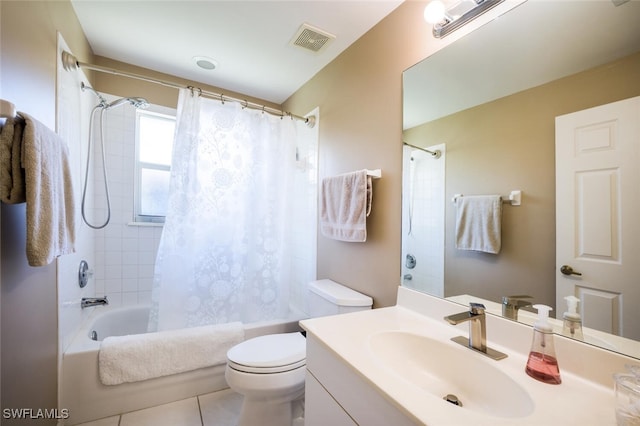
x=205, y=63
x=434, y=12
x=446, y=20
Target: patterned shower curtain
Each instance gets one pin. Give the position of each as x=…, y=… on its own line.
x=225, y=250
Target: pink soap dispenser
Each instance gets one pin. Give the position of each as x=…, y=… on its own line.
x=542, y=363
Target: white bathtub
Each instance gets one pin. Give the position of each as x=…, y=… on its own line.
x=86, y=398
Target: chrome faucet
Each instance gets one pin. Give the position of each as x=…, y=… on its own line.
x=511, y=304
x=477, y=330
x=93, y=301
x=477, y=325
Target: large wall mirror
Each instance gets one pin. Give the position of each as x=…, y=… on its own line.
x=487, y=105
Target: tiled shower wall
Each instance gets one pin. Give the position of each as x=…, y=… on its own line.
x=125, y=253
x=73, y=110
x=423, y=192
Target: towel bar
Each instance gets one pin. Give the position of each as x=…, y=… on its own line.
x=514, y=198
x=376, y=174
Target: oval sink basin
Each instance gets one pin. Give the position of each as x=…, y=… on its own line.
x=445, y=368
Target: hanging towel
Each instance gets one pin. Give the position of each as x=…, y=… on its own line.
x=136, y=357
x=12, y=190
x=49, y=194
x=344, y=206
x=478, y=222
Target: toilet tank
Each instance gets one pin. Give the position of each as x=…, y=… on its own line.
x=327, y=297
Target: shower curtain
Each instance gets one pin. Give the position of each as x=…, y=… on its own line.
x=224, y=253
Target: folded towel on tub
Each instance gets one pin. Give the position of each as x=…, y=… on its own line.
x=136, y=357
x=344, y=206
x=478, y=223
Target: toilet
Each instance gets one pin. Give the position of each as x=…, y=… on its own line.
x=269, y=370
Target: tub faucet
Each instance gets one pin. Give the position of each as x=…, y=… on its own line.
x=93, y=301
x=511, y=304
x=477, y=330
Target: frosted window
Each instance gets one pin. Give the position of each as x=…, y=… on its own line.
x=155, y=134
x=154, y=187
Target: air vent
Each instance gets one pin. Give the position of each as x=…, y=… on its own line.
x=311, y=38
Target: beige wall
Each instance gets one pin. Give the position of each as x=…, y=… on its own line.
x=28, y=302
x=510, y=144
x=360, y=100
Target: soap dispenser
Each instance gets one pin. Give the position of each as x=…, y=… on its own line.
x=542, y=363
x=572, y=326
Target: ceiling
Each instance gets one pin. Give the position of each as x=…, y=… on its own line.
x=249, y=40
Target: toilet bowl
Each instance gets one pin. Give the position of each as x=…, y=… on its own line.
x=269, y=371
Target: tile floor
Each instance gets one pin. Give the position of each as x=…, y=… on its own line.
x=215, y=409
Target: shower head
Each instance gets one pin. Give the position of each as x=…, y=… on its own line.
x=136, y=102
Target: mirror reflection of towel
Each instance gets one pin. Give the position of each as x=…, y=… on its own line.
x=478, y=223
x=345, y=203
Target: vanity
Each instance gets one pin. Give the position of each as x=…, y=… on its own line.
x=399, y=366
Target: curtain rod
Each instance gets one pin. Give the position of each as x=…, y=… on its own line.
x=69, y=62
x=435, y=154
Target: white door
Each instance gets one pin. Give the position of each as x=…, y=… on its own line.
x=598, y=215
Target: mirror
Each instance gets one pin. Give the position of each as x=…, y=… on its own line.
x=487, y=104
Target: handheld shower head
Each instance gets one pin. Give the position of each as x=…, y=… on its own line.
x=136, y=102
x=116, y=103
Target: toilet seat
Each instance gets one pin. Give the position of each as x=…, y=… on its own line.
x=272, y=353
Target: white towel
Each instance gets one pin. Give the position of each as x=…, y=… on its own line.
x=344, y=206
x=136, y=357
x=12, y=190
x=478, y=223
x=49, y=193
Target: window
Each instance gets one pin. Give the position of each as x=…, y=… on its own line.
x=154, y=143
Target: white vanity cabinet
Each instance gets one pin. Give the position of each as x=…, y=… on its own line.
x=337, y=395
x=320, y=407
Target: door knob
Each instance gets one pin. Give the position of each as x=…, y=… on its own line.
x=568, y=270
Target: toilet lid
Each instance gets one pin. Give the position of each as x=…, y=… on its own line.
x=270, y=353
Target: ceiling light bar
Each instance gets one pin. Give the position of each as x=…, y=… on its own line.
x=454, y=20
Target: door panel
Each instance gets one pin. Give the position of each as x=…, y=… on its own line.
x=597, y=204
x=597, y=211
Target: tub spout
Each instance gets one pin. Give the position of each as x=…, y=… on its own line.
x=93, y=301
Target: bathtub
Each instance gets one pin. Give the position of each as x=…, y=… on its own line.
x=87, y=399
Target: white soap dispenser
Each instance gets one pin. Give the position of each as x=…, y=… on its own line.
x=572, y=326
x=542, y=363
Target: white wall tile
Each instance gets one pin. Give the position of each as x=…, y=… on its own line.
x=74, y=108
x=130, y=285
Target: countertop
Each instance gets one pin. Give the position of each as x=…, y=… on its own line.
x=577, y=401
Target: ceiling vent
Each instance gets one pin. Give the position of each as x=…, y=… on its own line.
x=312, y=39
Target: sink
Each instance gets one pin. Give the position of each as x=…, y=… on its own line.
x=443, y=368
